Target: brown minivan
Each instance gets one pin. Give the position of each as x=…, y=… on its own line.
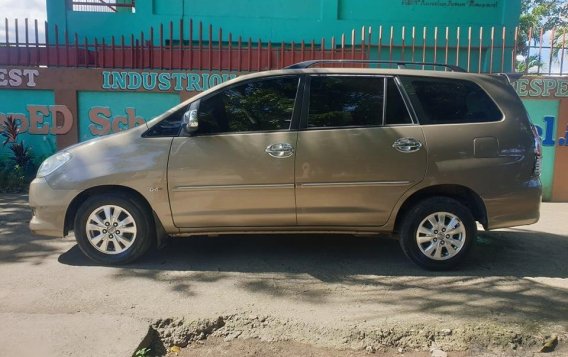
x=422, y=153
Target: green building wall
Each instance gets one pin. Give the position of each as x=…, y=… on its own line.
x=290, y=20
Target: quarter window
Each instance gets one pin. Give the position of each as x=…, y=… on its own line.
x=450, y=101
x=170, y=126
x=340, y=101
x=262, y=105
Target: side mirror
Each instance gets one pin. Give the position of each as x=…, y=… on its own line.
x=190, y=121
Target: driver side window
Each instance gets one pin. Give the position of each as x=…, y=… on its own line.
x=260, y=105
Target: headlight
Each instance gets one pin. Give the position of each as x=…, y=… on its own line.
x=52, y=163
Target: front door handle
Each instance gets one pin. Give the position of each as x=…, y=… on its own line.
x=280, y=150
x=407, y=145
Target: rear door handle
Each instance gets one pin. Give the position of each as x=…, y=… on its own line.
x=407, y=145
x=280, y=150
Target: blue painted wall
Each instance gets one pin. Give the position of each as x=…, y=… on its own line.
x=31, y=108
x=103, y=113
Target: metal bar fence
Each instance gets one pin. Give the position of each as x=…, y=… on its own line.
x=187, y=45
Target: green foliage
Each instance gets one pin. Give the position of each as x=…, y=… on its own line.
x=17, y=172
x=560, y=39
x=544, y=13
x=12, y=178
x=540, y=14
x=531, y=62
x=22, y=154
x=143, y=352
x=537, y=15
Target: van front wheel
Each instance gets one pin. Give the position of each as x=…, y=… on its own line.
x=113, y=228
x=437, y=233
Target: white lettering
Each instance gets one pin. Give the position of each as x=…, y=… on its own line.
x=31, y=73
x=3, y=81
x=15, y=77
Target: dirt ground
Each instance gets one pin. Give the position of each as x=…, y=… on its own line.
x=319, y=293
x=241, y=335
x=216, y=346
x=254, y=347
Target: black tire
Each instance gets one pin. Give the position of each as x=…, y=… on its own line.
x=437, y=252
x=117, y=252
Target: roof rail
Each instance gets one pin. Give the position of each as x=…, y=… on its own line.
x=510, y=78
x=399, y=64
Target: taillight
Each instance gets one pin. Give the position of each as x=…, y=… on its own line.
x=537, y=151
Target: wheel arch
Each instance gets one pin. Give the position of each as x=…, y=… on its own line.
x=83, y=196
x=464, y=195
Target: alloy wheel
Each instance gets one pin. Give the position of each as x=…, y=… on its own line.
x=441, y=236
x=111, y=229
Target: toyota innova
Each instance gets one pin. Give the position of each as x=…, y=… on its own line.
x=423, y=154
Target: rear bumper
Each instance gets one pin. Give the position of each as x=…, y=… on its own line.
x=520, y=206
x=48, y=207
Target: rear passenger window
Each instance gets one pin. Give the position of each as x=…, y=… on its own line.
x=340, y=101
x=449, y=101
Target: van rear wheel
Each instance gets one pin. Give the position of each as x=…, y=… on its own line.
x=113, y=228
x=437, y=233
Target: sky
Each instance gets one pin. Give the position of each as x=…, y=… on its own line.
x=20, y=9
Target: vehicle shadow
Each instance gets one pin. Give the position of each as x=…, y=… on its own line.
x=330, y=257
x=498, y=281
x=17, y=244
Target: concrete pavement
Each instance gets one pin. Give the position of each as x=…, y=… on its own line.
x=55, y=301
